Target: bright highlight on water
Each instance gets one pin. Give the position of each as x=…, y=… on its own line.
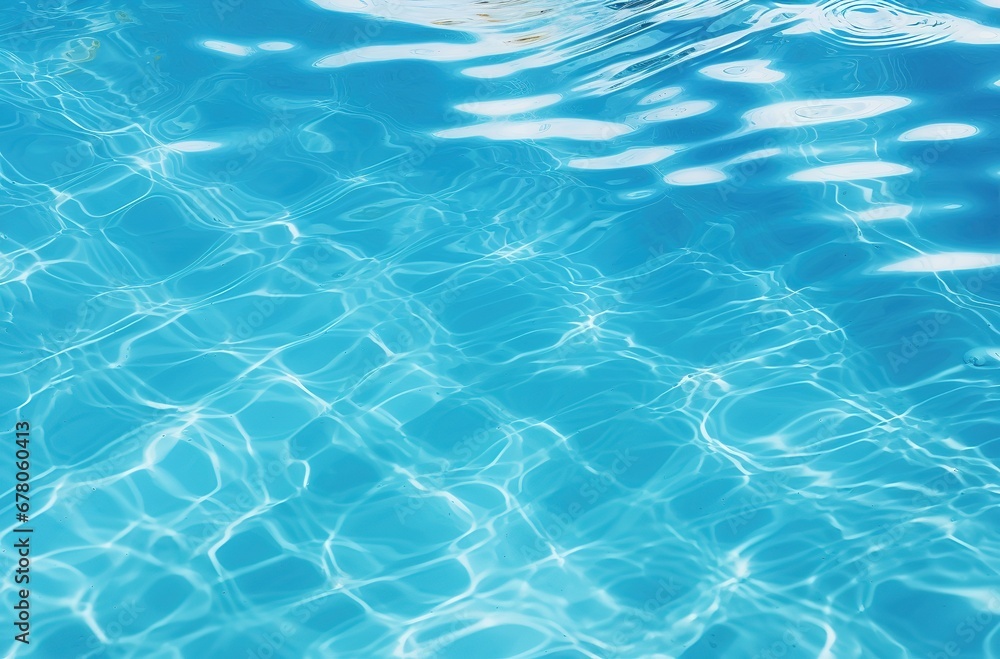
x=602, y=329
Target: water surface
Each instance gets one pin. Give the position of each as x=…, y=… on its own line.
x=505, y=329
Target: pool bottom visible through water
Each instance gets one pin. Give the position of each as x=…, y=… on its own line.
x=514, y=329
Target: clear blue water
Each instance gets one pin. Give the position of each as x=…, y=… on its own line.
x=503, y=329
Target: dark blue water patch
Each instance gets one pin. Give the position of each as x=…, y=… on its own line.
x=72, y=422
x=281, y=580
x=61, y=156
x=455, y=428
x=566, y=490
x=227, y=643
x=829, y=263
x=386, y=596
x=162, y=599
x=985, y=435
x=160, y=236
x=932, y=620
x=212, y=277
x=330, y=612
x=68, y=639
x=335, y=472
x=719, y=485
x=806, y=543
x=973, y=225
x=191, y=468
x=287, y=182
x=557, y=392
x=492, y=302
x=177, y=377
x=427, y=523
x=637, y=247
x=248, y=547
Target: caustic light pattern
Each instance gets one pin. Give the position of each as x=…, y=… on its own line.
x=478, y=330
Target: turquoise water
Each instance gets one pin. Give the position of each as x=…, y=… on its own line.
x=595, y=329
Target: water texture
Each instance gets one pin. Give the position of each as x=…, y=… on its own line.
x=509, y=328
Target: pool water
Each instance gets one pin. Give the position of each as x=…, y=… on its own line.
x=515, y=328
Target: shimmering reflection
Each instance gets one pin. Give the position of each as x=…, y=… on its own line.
x=507, y=328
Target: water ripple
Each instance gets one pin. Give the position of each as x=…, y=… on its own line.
x=609, y=328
